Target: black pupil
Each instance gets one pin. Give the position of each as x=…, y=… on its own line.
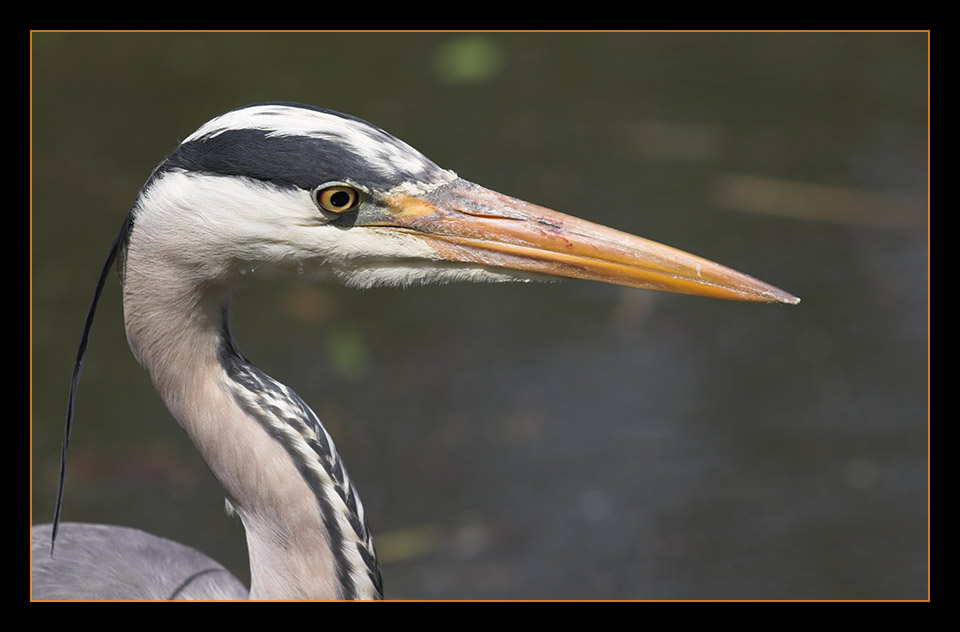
x=340, y=199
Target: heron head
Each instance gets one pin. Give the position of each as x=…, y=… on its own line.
x=280, y=189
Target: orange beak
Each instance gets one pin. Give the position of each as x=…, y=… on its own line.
x=467, y=223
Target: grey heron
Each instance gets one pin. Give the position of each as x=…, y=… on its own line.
x=283, y=190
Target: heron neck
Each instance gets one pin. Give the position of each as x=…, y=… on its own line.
x=254, y=434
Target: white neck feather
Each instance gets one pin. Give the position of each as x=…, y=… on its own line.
x=178, y=329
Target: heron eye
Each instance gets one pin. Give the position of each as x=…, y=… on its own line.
x=337, y=199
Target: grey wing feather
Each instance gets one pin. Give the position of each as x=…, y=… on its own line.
x=93, y=561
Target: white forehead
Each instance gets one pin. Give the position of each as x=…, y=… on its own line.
x=379, y=149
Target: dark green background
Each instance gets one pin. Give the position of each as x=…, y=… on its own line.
x=542, y=441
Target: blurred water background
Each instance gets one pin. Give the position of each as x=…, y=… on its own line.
x=555, y=441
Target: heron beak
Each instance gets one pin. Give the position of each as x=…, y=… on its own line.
x=467, y=223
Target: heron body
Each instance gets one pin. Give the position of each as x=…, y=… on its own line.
x=276, y=191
